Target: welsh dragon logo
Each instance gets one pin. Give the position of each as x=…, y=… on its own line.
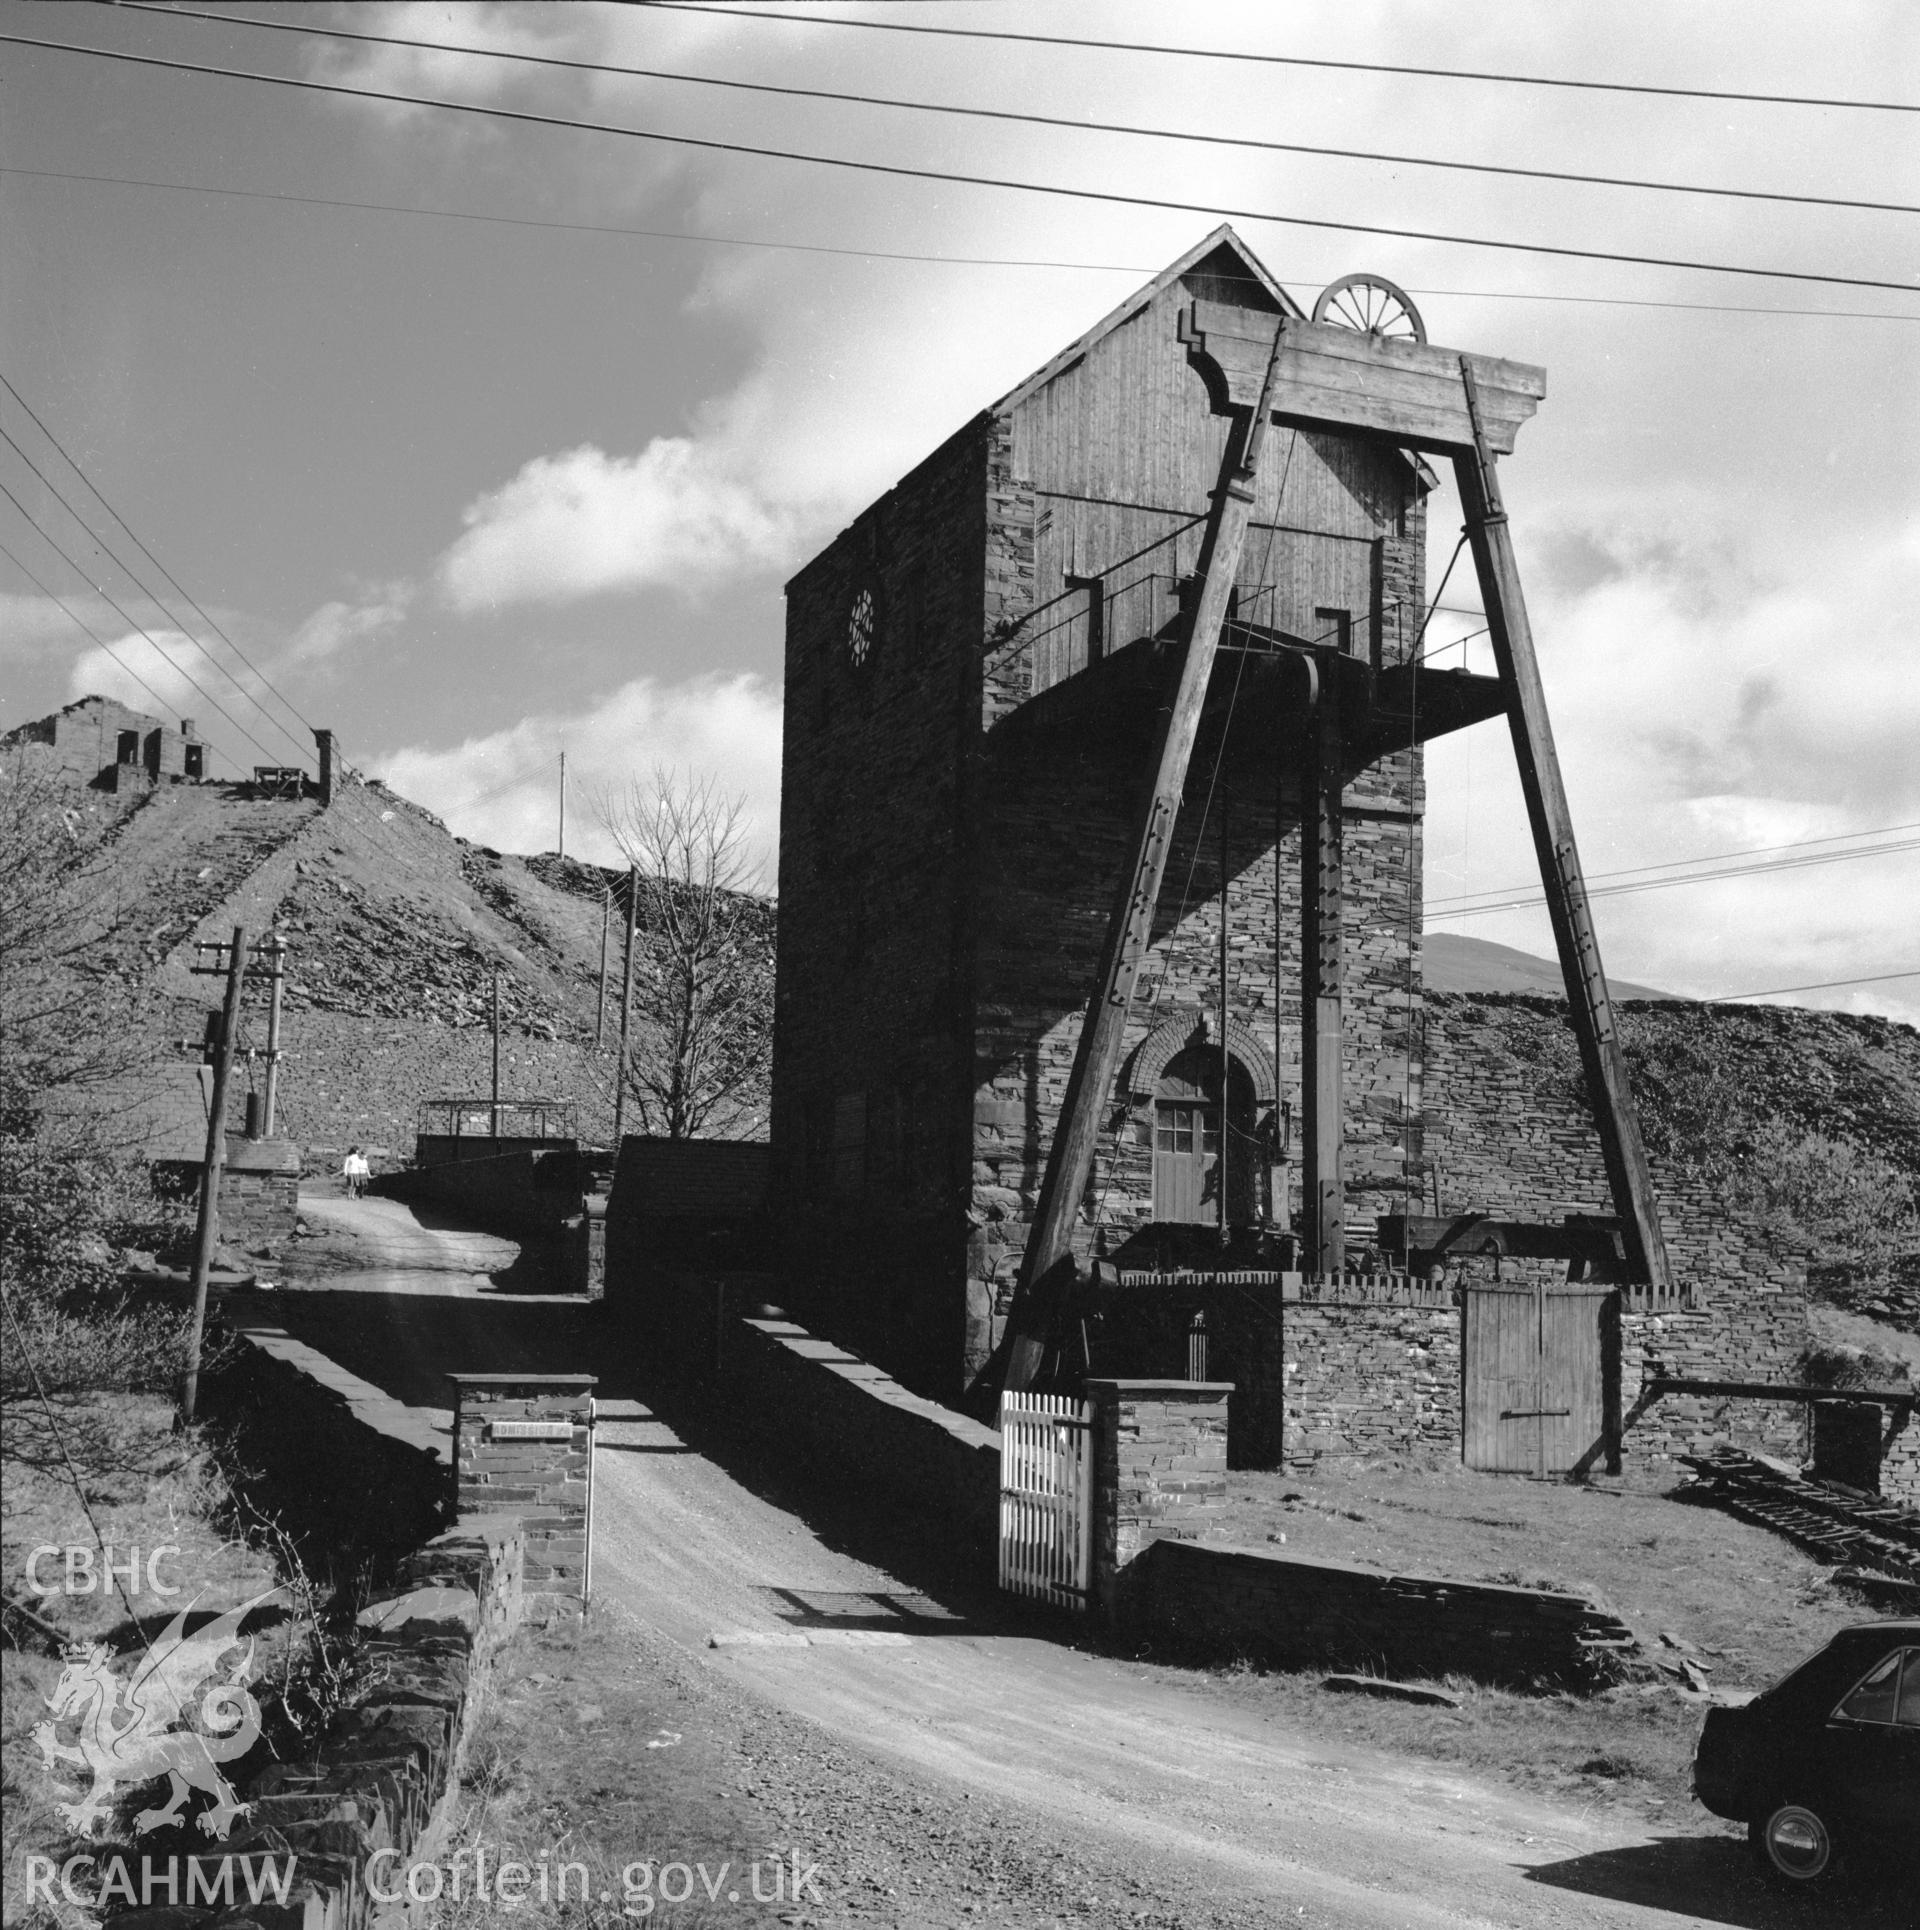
x=136, y=1728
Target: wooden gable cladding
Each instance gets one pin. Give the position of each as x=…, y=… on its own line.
x=1121, y=448
x=1339, y=379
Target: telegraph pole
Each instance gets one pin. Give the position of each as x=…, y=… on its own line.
x=209, y=1221
x=493, y=1117
x=606, y=928
x=277, y=965
x=1226, y=1062
x=626, y=1010
x=563, y=804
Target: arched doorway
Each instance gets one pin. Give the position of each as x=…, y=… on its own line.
x=1187, y=1140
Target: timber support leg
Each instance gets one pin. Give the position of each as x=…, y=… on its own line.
x=1321, y=1017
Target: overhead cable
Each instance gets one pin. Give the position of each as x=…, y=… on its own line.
x=1694, y=878
x=901, y=170
x=66, y=457
x=1008, y=114
x=1706, y=857
x=120, y=564
x=1285, y=60
x=79, y=570
x=896, y=254
x=79, y=623
x=1824, y=985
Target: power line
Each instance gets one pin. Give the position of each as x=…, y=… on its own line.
x=526, y=776
x=1824, y=985
x=81, y=573
x=1008, y=114
x=119, y=564
x=1695, y=878
x=72, y=617
x=1709, y=857
x=901, y=171
x=1286, y=60
x=892, y=254
x=266, y=682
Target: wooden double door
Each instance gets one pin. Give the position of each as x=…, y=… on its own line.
x=1534, y=1383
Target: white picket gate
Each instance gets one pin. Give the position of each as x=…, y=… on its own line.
x=1046, y=1498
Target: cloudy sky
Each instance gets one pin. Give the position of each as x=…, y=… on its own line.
x=525, y=472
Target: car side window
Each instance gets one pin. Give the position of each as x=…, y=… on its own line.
x=1909, y=1716
x=1877, y=1697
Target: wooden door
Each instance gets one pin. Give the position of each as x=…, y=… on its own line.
x=1531, y=1370
x=1186, y=1157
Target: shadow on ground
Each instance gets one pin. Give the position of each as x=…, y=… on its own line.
x=1713, y=1879
x=407, y=1343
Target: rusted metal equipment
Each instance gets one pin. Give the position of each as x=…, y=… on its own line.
x=1383, y=382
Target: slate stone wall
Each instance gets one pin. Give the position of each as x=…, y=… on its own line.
x=945, y=885
x=545, y=1481
x=374, y=1794
x=1159, y=1473
x=874, y=982
x=1291, y=1611
x=1372, y=1382
x=844, y=1422
x=1511, y=1135
x=289, y=1410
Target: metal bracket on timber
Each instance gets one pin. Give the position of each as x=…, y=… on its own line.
x=1096, y=1058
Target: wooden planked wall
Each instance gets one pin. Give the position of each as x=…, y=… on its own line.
x=1121, y=451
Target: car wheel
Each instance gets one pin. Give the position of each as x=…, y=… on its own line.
x=1793, y=1845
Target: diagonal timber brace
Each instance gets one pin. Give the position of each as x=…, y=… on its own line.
x=1588, y=999
x=1096, y=1057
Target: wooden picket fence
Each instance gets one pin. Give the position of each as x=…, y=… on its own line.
x=1046, y=1498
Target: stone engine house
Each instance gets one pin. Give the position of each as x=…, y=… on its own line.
x=973, y=673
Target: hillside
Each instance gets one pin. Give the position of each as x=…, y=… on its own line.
x=395, y=930
x=1454, y=963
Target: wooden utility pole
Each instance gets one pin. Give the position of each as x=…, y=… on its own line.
x=208, y=1224
x=563, y=804
x=1130, y=928
x=626, y=1008
x=277, y=966
x=1551, y=819
x=493, y=1116
x=606, y=927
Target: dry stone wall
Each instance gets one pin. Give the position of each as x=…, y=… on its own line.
x=1371, y=1383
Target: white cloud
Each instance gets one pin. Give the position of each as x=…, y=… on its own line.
x=584, y=523
x=143, y=672
x=342, y=625
x=502, y=789
x=30, y=625
x=1701, y=708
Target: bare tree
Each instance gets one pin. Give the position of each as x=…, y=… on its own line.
x=701, y=1043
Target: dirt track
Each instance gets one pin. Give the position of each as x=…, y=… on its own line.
x=953, y=1766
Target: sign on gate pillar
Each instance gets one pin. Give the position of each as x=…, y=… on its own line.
x=523, y=1444
x=1159, y=1473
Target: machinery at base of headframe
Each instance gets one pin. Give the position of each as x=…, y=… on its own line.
x=1361, y=365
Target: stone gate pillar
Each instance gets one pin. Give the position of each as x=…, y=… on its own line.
x=523, y=1444
x=1159, y=1474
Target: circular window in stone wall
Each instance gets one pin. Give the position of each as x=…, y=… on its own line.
x=863, y=624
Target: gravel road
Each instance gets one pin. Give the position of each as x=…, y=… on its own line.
x=946, y=1764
